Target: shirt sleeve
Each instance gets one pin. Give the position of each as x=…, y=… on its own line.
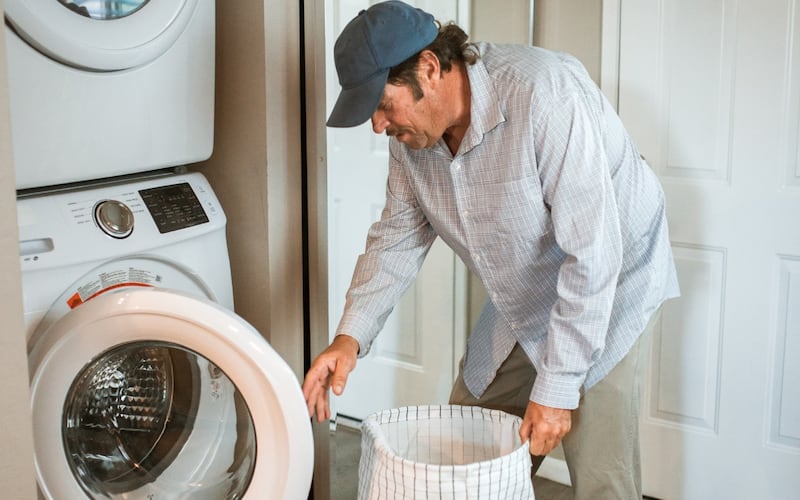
x=578, y=189
x=395, y=249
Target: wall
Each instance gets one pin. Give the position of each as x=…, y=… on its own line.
x=572, y=26
x=16, y=453
x=255, y=168
x=501, y=21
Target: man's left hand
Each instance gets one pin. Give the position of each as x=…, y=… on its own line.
x=544, y=427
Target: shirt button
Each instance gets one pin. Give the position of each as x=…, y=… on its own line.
x=465, y=213
x=513, y=325
x=476, y=257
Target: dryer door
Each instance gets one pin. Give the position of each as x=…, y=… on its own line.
x=100, y=35
x=150, y=393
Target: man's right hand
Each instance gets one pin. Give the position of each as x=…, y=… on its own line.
x=329, y=370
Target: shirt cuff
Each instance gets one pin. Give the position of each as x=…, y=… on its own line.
x=359, y=330
x=557, y=391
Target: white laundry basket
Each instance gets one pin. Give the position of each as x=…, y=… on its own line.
x=443, y=452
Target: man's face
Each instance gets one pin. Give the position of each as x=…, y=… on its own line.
x=412, y=122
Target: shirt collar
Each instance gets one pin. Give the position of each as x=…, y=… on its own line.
x=485, y=110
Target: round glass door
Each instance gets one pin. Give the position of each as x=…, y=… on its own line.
x=103, y=9
x=150, y=393
x=153, y=418
x=105, y=35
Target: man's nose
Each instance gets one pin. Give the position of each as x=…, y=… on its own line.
x=379, y=122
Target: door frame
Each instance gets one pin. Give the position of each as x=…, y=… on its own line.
x=316, y=234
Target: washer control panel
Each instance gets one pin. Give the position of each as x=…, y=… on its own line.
x=173, y=207
x=104, y=221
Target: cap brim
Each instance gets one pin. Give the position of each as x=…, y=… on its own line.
x=356, y=105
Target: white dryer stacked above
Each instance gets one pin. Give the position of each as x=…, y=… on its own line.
x=142, y=384
x=105, y=88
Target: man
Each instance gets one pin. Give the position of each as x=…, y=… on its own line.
x=514, y=158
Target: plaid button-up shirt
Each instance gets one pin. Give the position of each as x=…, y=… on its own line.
x=548, y=201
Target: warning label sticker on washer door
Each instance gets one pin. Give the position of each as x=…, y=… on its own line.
x=111, y=280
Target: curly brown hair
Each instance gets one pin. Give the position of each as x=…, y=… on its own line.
x=451, y=45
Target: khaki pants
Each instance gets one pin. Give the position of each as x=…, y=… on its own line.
x=602, y=448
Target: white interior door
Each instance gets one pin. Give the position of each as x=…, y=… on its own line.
x=711, y=93
x=412, y=362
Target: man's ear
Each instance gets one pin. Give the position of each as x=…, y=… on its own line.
x=428, y=67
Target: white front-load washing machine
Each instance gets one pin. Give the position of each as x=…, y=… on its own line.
x=101, y=88
x=144, y=383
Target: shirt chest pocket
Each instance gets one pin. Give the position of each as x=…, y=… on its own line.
x=512, y=211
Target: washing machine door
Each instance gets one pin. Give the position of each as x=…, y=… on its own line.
x=151, y=393
x=102, y=35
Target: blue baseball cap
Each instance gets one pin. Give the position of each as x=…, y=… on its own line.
x=378, y=39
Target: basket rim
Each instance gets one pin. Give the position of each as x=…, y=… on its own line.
x=382, y=448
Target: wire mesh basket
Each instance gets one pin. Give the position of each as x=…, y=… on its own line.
x=443, y=452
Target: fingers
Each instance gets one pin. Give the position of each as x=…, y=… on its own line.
x=544, y=427
x=539, y=442
x=345, y=351
x=317, y=403
x=323, y=409
x=329, y=370
x=541, y=448
x=338, y=381
x=339, y=377
x=317, y=377
x=315, y=389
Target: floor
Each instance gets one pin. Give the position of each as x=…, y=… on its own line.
x=346, y=450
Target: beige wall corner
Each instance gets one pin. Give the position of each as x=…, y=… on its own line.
x=285, y=186
x=17, y=478
x=255, y=167
x=237, y=169
x=572, y=26
x=256, y=170
x=501, y=21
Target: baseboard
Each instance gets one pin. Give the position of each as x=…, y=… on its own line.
x=345, y=421
x=554, y=469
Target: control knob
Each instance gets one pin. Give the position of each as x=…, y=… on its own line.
x=114, y=218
